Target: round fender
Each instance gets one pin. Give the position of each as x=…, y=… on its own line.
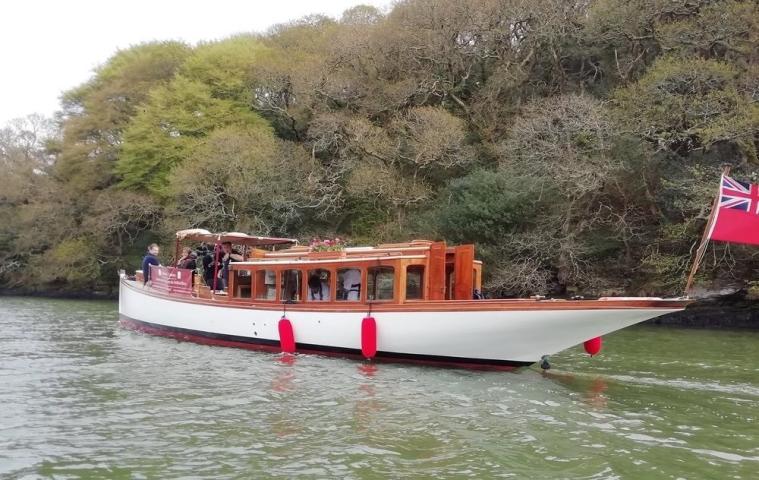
x=368, y=337
x=593, y=346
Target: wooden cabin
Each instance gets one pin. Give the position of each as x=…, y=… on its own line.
x=420, y=270
x=393, y=273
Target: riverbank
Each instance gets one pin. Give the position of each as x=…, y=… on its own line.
x=733, y=311
x=60, y=294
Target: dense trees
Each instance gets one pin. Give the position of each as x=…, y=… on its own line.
x=577, y=143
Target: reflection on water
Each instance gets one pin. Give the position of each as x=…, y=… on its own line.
x=592, y=388
x=84, y=399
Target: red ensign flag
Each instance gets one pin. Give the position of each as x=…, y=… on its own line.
x=737, y=217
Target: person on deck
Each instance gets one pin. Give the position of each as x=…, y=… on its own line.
x=188, y=259
x=151, y=258
x=227, y=255
x=208, y=268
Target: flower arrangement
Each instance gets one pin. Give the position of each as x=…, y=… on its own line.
x=327, y=245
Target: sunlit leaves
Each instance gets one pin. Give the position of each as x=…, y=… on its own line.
x=174, y=122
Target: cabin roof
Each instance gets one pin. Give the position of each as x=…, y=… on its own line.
x=310, y=261
x=415, y=249
x=381, y=250
x=239, y=238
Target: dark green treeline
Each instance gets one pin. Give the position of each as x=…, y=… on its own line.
x=577, y=144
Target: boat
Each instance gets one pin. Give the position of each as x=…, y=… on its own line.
x=407, y=302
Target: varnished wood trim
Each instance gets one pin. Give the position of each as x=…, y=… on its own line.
x=431, y=306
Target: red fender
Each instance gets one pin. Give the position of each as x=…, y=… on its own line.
x=368, y=337
x=593, y=346
x=286, y=335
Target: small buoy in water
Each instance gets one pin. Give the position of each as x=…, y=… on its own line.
x=286, y=335
x=544, y=362
x=593, y=346
x=368, y=337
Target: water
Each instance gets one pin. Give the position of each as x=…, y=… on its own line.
x=82, y=398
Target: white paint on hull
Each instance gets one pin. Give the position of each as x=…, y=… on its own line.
x=512, y=335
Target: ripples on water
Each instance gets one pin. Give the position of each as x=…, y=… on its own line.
x=82, y=398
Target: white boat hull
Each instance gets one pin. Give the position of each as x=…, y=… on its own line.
x=505, y=338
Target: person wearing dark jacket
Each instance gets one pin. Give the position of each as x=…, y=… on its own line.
x=188, y=260
x=209, y=268
x=151, y=258
x=227, y=255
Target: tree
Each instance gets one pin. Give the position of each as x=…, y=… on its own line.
x=686, y=105
x=174, y=122
x=119, y=218
x=576, y=143
x=567, y=144
x=621, y=37
x=727, y=31
x=95, y=115
x=287, y=78
x=226, y=66
x=24, y=158
x=361, y=16
x=244, y=179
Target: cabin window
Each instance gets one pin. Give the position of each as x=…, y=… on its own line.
x=319, y=282
x=266, y=285
x=349, y=284
x=415, y=282
x=242, y=283
x=380, y=283
x=292, y=281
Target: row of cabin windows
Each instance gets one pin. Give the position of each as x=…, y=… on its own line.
x=380, y=284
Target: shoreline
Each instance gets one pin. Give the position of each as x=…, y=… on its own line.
x=733, y=311
x=63, y=295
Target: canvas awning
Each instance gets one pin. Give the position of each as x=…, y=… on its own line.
x=238, y=238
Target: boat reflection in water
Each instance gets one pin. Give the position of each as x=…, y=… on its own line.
x=592, y=389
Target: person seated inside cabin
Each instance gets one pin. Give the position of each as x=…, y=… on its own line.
x=227, y=255
x=151, y=258
x=351, y=284
x=318, y=286
x=325, y=286
x=477, y=295
x=315, y=287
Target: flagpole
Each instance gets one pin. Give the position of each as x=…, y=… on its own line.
x=701, y=251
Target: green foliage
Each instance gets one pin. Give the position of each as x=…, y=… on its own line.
x=485, y=207
x=96, y=113
x=576, y=143
x=226, y=66
x=243, y=179
x=70, y=264
x=174, y=121
x=727, y=31
x=688, y=104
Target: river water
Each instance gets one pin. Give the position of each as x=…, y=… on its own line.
x=82, y=398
